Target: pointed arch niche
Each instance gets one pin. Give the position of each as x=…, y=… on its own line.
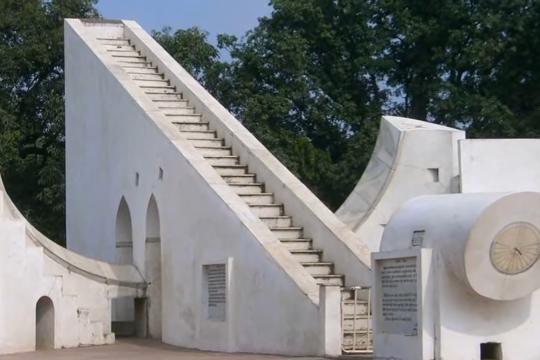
x=124, y=234
x=153, y=267
x=123, y=308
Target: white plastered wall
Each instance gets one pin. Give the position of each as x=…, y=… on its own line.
x=111, y=136
x=489, y=165
x=81, y=289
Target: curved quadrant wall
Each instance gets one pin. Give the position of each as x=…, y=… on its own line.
x=410, y=158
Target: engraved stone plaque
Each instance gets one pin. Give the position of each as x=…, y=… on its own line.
x=397, y=298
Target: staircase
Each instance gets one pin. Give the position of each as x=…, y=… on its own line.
x=221, y=157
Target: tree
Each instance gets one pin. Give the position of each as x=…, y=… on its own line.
x=467, y=64
x=305, y=83
x=32, y=106
x=190, y=47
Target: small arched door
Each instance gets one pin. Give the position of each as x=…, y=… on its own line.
x=44, y=323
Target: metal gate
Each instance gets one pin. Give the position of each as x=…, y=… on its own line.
x=356, y=320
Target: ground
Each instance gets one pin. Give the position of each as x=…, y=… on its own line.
x=138, y=349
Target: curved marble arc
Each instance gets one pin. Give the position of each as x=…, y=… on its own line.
x=410, y=158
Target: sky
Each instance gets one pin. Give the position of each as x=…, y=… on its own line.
x=233, y=17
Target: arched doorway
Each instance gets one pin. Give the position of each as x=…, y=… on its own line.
x=44, y=323
x=123, y=309
x=153, y=268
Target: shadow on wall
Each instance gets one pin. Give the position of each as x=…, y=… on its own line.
x=44, y=323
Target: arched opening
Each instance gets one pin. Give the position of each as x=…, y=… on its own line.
x=123, y=309
x=124, y=234
x=44, y=323
x=153, y=268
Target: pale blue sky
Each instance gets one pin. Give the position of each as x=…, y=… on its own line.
x=233, y=17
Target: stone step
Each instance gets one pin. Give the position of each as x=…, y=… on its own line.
x=297, y=244
x=165, y=105
x=184, y=117
x=267, y=210
x=138, y=66
x=151, y=84
x=251, y=188
x=311, y=255
x=222, y=160
x=231, y=169
x=135, y=56
x=200, y=134
x=348, y=308
x=118, y=47
x=210, y=143
x=146, y=77
x=137, y=70
x=158, y=90
x=330, y=279
x=191, y=126
x=124, y=53
x=282, y=221
x=180, y=110
x=224, y=150
x=133, y=60
x=290, y=232
x=239, y=179
x=319, y=268
x=154, y=96
x=262, y=198
x=113, y=41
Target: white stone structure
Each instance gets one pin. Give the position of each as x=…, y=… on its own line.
x=217, y=246
x=52, y=297
x=458, y=278
x=410, y=158
x=239, y=254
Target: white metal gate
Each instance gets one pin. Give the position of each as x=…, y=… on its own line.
x=356, y=320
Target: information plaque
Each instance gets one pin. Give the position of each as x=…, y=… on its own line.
x=398, y=299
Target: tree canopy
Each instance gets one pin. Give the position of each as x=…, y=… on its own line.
x=310, y=81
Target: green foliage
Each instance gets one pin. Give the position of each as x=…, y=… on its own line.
x=32, y=106
x=310, y=81
x=191, y=47
x=305, y=84
x=470, y=64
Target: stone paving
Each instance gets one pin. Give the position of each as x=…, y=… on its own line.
x=139, y=349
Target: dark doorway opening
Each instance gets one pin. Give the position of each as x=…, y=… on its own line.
x=491, y=351
x=134, y=317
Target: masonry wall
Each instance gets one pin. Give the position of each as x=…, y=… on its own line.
x=81, y=306
x=112, y=141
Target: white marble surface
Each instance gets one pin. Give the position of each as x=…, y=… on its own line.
x=410, y=158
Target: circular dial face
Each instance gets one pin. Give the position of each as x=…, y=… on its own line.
x=515, y=248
